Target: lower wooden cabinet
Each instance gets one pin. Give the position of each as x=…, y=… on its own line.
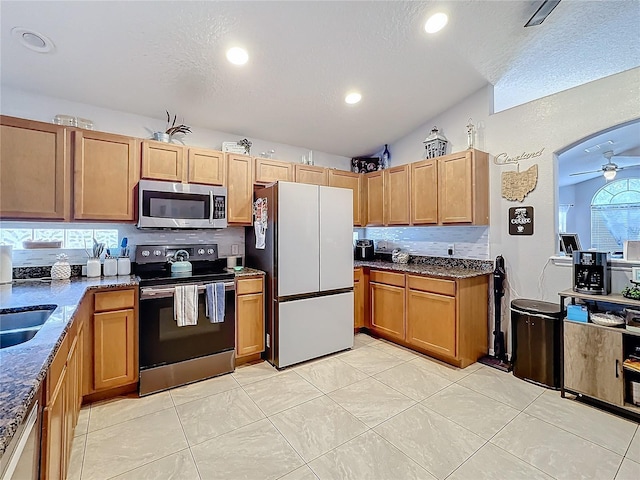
x=114, y=341
x=250, y=316
x=593, y=359
x=358, y=298
x=431, y=322
x=387, y=310
x=54, y=451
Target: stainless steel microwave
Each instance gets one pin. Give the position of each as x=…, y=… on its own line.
x=181, y=205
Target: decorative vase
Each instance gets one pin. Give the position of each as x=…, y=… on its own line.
x=162, y=137
x=386, y=156
x=61, y=270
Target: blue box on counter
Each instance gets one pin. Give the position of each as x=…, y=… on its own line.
x=577, y=313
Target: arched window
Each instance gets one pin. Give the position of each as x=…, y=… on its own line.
x=615, y=214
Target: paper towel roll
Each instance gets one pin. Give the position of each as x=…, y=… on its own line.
x=6, y=264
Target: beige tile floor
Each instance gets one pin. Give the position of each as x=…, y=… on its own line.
x=375, y=412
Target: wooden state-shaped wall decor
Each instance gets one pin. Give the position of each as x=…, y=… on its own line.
x=517, y=185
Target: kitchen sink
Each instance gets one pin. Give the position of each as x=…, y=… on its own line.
x=20, y=326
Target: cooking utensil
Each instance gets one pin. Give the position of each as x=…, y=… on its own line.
x=180, y=266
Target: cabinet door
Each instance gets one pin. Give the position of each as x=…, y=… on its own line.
x=311, y=175
x=343, y=179
x=106, y=172
x=455, y=188
x=113, y=347
x=79, y=371
x=358, y=299
x=431, y=322
x=206, y=166
x=163, y=161
x=250, y=325
x=375, y=198
x=396, y=190
x=424, y=192
x=387, y=310
x=54, y=443
x=239, y=189
x=269, y=171
x=35, y=173
x=71, y=395
x=593, y=362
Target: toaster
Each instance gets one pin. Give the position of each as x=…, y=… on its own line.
x=364, y=249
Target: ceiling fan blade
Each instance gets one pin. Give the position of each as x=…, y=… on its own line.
x=626, y=157
x=628, y=166
x=582, y=173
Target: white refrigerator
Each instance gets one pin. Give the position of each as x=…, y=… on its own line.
x=304, y=242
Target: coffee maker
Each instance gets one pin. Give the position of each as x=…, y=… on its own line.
x=591, y=273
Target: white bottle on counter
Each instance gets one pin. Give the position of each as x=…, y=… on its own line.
x=124, y=266
x=110, y=267
x=93, y=267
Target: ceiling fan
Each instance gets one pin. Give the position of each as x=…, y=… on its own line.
x=609, y=169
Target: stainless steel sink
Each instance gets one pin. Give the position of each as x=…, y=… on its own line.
x=20, y=326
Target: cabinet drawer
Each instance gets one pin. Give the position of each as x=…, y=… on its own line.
x=429, y=284
x=250, y=285
x=57, y=367
x=388, y=278
x=115, y=300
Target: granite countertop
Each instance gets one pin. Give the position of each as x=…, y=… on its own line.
x=246, y=272
x=436, y=267
x=23, y=367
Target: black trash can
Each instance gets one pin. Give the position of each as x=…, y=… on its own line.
x=535, y=333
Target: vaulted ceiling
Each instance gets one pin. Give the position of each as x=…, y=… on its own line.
x=147, y=57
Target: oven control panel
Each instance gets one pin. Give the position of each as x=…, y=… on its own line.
x=160, y=253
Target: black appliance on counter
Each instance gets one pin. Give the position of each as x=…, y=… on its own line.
x=364, y=249
x=170, y=355
x=591, y=273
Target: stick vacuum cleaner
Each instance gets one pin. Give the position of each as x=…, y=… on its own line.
x=499, y=358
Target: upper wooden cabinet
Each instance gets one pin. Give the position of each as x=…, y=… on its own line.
x=463, y=188
x=239, y=189
x=374, y=187
x=206, y=166
x=396, y=192
x=105, y=176
x=344, y=179
x=163, y=161
x=424, y=192
x=35, y=171
x=311, y=174
x=269, y=171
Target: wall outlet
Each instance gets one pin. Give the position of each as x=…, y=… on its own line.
x=451, y=249
x=234, y=249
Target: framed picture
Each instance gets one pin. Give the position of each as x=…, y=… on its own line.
x=569, y=242
x=365, y=164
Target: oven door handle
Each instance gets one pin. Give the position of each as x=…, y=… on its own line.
x=151, y=292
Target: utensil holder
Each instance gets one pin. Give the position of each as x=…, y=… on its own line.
x=93, y=267
x=110, y=267
x=124, y=266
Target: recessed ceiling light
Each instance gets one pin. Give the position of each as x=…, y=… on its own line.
x=237, y=56
x=32, y=40
x=436, y=22
x=353, y=97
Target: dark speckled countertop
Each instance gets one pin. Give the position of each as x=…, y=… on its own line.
x=23, y=367
x=433, y=266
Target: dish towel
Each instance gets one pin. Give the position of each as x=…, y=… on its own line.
x=185, y=305
x=215, y=302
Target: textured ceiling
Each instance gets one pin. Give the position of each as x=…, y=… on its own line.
x=145, y=57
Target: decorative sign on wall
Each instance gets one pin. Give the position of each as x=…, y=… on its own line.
x=521, y=221
x=517, y=185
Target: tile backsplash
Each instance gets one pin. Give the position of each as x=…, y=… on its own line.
x=469, y=242
x=225, y=238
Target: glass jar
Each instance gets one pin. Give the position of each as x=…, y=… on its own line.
x=93, y=267
x=110, y=267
